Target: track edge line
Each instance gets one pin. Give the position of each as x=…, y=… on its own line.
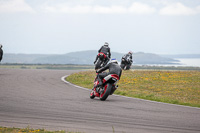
x=63, y=79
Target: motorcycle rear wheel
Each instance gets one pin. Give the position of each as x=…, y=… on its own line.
x=122, y=66
x=127, y=67
x=98, y=64
x=106, y=93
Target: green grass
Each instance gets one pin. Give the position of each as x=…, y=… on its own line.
x=29, y=130
x=176, y=87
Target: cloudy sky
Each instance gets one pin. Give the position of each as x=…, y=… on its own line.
x=62, y=26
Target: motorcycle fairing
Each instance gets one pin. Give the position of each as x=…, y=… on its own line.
x=102, y=54
x=115, y=76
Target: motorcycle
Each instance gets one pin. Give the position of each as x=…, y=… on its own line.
x=125, y=63
x=100, y=61
x=108, y=88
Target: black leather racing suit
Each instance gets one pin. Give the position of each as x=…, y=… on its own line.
x=126, y=56
x=114, y=68
x=106, y=51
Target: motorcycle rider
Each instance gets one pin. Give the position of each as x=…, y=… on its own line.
x=128, y=56
x=106, y=50
x=1, y=52
x=113, y=67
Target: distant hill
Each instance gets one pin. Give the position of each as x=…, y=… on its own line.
x=149, y=58
x=82, y=57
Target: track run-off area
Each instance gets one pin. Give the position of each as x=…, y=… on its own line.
x=38, y=98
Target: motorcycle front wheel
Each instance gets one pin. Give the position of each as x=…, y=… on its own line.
x=92, y=96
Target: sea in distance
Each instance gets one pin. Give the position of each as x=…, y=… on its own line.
x=184, y=62
x=194, y=62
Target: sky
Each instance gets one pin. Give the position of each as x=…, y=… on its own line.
x=63, y=26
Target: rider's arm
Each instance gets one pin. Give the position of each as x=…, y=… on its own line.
x=100, y=49
x=103, y=68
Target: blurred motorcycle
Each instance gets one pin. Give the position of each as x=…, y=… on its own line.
x=100, y=61
x=125, y=63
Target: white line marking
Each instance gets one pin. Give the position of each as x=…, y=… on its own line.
x=63, y=79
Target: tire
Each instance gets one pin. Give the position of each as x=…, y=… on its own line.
x=97, y=66
x=106, y=93
x=127, y=67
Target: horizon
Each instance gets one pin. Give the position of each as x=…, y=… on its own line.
x=96, y=52
x=60, y=27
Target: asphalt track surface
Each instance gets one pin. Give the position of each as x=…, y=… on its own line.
x=40, y=99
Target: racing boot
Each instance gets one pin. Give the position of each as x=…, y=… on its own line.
x=100, y=83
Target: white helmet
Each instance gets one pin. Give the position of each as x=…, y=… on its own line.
x=130, y=52
x=106, y=44
x=114, y=61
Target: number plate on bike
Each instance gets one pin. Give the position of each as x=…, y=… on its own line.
x=114, y=79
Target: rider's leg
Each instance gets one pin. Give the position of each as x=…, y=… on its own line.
x=100, y=78
x=96, y=59
x=106, y=61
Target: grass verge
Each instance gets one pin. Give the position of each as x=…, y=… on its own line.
x=176, y=87
x=29, y=130
x=84, y=67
